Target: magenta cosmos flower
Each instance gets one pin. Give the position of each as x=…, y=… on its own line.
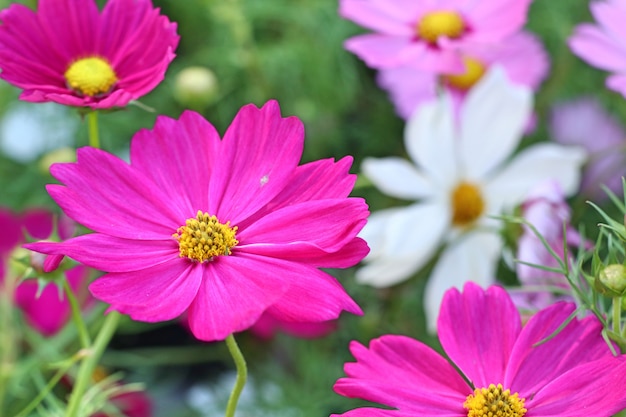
x=223, y=229
x=502, y=371
x=603, y=46
x=45, y=310
x=70, y=53
x=522, y=57
x=428, y=34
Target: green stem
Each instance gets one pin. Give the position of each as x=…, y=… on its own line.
x=94, y=139
x=77, y=317
x=617, y=314
x=85, y=372
x=242, y=375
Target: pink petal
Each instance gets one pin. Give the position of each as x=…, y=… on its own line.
x=610, y=16
x=403, y=373
x=597, y=48
x=71, y=23
x=379, y=51
x=349, y=255
x=157, y=293
x=38, y=223
x=312, y=295
x=477, y=330
x=259, y=154
x=11, y=228
x=111, y=254
x=492, y=21
x=300, y=223
x=134, y=207
x=579, y=342
x=179, y=156
x=590, y=389
x=235, y=291
x=381, y=19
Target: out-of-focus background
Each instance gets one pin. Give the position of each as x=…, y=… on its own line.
x=235, y=52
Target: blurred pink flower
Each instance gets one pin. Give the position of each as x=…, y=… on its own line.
x=604, y=45
x=268, y=325
x=223, y=229
x=546, y=209
x=130, y=404
x=48, y=312
x=428, y=35
x=584, y=122
x=481, y=332
x=521, y=56
x=70, y=53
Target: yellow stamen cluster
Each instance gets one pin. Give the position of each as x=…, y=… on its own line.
x=204, y=237
x=467, y=204
x=474, y=71
x=442, y=23
x=494, y=402
x=90, y=76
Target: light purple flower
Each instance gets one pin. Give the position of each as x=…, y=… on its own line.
x=584, y=122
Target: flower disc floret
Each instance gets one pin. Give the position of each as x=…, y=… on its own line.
x=474, y=71
x=91, y=76
x=467, y=204
x=494, y=401
x=441, y=23
x=203, y=237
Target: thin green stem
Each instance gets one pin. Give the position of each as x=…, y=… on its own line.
x=85, y=372
x=242, y=375
x=83, y=334
x=94, y=139
x=617, y=314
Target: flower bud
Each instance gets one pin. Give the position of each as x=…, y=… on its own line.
x=58, y=155
x=611, y=281
x=196, y=87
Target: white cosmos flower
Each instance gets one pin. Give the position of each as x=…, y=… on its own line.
x=460, y=175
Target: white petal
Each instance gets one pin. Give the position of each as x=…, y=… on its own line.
x=402, y=241
x=431, y=142
x=493, y=118
x=532, y=166
x=397, y=177
x=471, y=258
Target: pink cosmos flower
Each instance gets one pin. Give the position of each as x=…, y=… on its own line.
x=222, y=229
x=546, y=209
x=522, y=57
x=585, y=122
x=49, y=311
x=501, y=366
x=70, y=53
x=428, y=35
x=603, y=45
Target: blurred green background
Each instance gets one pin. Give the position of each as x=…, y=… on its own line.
x=289, y=50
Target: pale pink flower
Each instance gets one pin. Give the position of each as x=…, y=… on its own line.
x=585, y=122
x=547, y=211
x=428, y=35
x=570, y=375
x=521, y=56
x=70, y=53
x=604, y=45
x=224, y=230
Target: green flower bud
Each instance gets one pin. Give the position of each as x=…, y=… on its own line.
x=196, y=87
x=58, y=155
x=611, y=281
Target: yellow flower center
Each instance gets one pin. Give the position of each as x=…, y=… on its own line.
x=494, y=402
x=467, y=204
x=90, y=76
x=474, y=71
x=203, y=237
x=443, y=23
